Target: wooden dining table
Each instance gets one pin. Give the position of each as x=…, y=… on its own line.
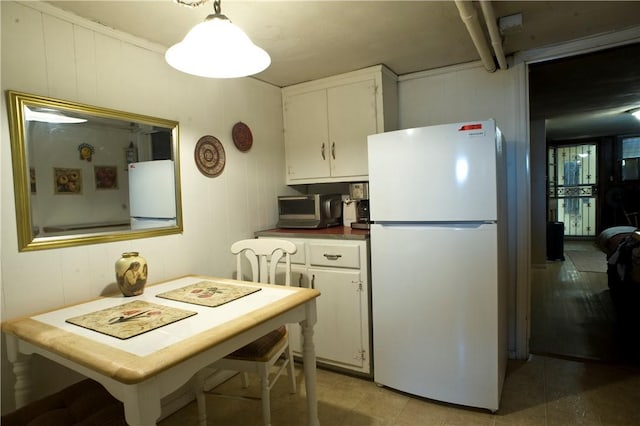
x=141, y=369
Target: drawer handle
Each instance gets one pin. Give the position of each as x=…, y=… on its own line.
x=332, y=256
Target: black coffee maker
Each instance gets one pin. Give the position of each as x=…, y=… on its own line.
x=359, y=192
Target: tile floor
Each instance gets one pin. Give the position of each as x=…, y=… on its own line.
x=541, y=391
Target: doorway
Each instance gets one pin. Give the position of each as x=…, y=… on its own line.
x=570, y=305
x=572, y=188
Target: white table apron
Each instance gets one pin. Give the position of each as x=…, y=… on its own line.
x=142, y=400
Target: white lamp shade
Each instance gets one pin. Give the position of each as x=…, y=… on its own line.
x=216, y=48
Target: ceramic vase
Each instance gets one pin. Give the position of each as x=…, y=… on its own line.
x=131, y=273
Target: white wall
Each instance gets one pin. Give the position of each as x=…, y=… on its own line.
x=46, y=52
x=469, y=92
x=91, y=204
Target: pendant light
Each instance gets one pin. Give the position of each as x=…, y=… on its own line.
x=216, y=48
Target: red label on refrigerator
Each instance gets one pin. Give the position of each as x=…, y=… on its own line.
x=467, y=127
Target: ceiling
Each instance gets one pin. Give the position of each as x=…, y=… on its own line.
x=314, y=39
x=587, y=95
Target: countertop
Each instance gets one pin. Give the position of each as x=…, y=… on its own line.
x=334, y=232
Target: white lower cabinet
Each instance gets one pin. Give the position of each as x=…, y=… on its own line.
x=339, y=270
x=339, y=333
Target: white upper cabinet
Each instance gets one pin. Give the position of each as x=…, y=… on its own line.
x=327, y=122
x=306, y=135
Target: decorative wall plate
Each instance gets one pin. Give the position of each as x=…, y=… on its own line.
x=242, y=137
x=210, y=156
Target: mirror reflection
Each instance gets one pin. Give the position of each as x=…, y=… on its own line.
x=85, y=174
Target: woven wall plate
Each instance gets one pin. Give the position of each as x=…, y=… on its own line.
x=210, y=156
x=242, y=137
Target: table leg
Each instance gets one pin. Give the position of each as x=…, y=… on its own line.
x=309, y=361
x=21, y=369
x=142, y=404
x=200, y=398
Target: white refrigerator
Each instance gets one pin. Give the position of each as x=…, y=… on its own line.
x=152, y=194
x=438, y=266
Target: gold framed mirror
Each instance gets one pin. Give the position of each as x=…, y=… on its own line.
x=85, y=174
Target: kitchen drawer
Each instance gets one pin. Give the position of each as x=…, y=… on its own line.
x=333, y=255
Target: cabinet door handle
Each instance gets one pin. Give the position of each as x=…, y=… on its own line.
x=313, y=281
x=333, y=150
x=300, y=281
x=332, y=256
x=322, y=151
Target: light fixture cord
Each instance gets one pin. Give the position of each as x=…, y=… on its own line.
x=217, y=9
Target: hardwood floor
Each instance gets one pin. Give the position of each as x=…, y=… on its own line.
x=572, y=314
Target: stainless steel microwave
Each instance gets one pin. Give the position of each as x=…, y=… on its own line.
x=309, y=211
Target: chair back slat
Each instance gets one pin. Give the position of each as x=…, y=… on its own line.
x=264, y=255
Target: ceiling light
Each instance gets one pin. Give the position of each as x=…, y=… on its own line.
x=635, y=112
x=216, y=48
x=49, y=116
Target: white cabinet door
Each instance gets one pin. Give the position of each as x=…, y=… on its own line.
x=338, y=333
x=352, y=117
x=307, y=135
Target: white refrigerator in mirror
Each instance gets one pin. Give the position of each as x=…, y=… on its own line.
x=438, y=265
x=152, y=194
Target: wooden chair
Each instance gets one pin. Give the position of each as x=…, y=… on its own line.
x=262, y=354
x=633, y=218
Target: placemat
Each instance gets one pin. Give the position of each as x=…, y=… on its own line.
x=130, y=319
x=208, y=293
